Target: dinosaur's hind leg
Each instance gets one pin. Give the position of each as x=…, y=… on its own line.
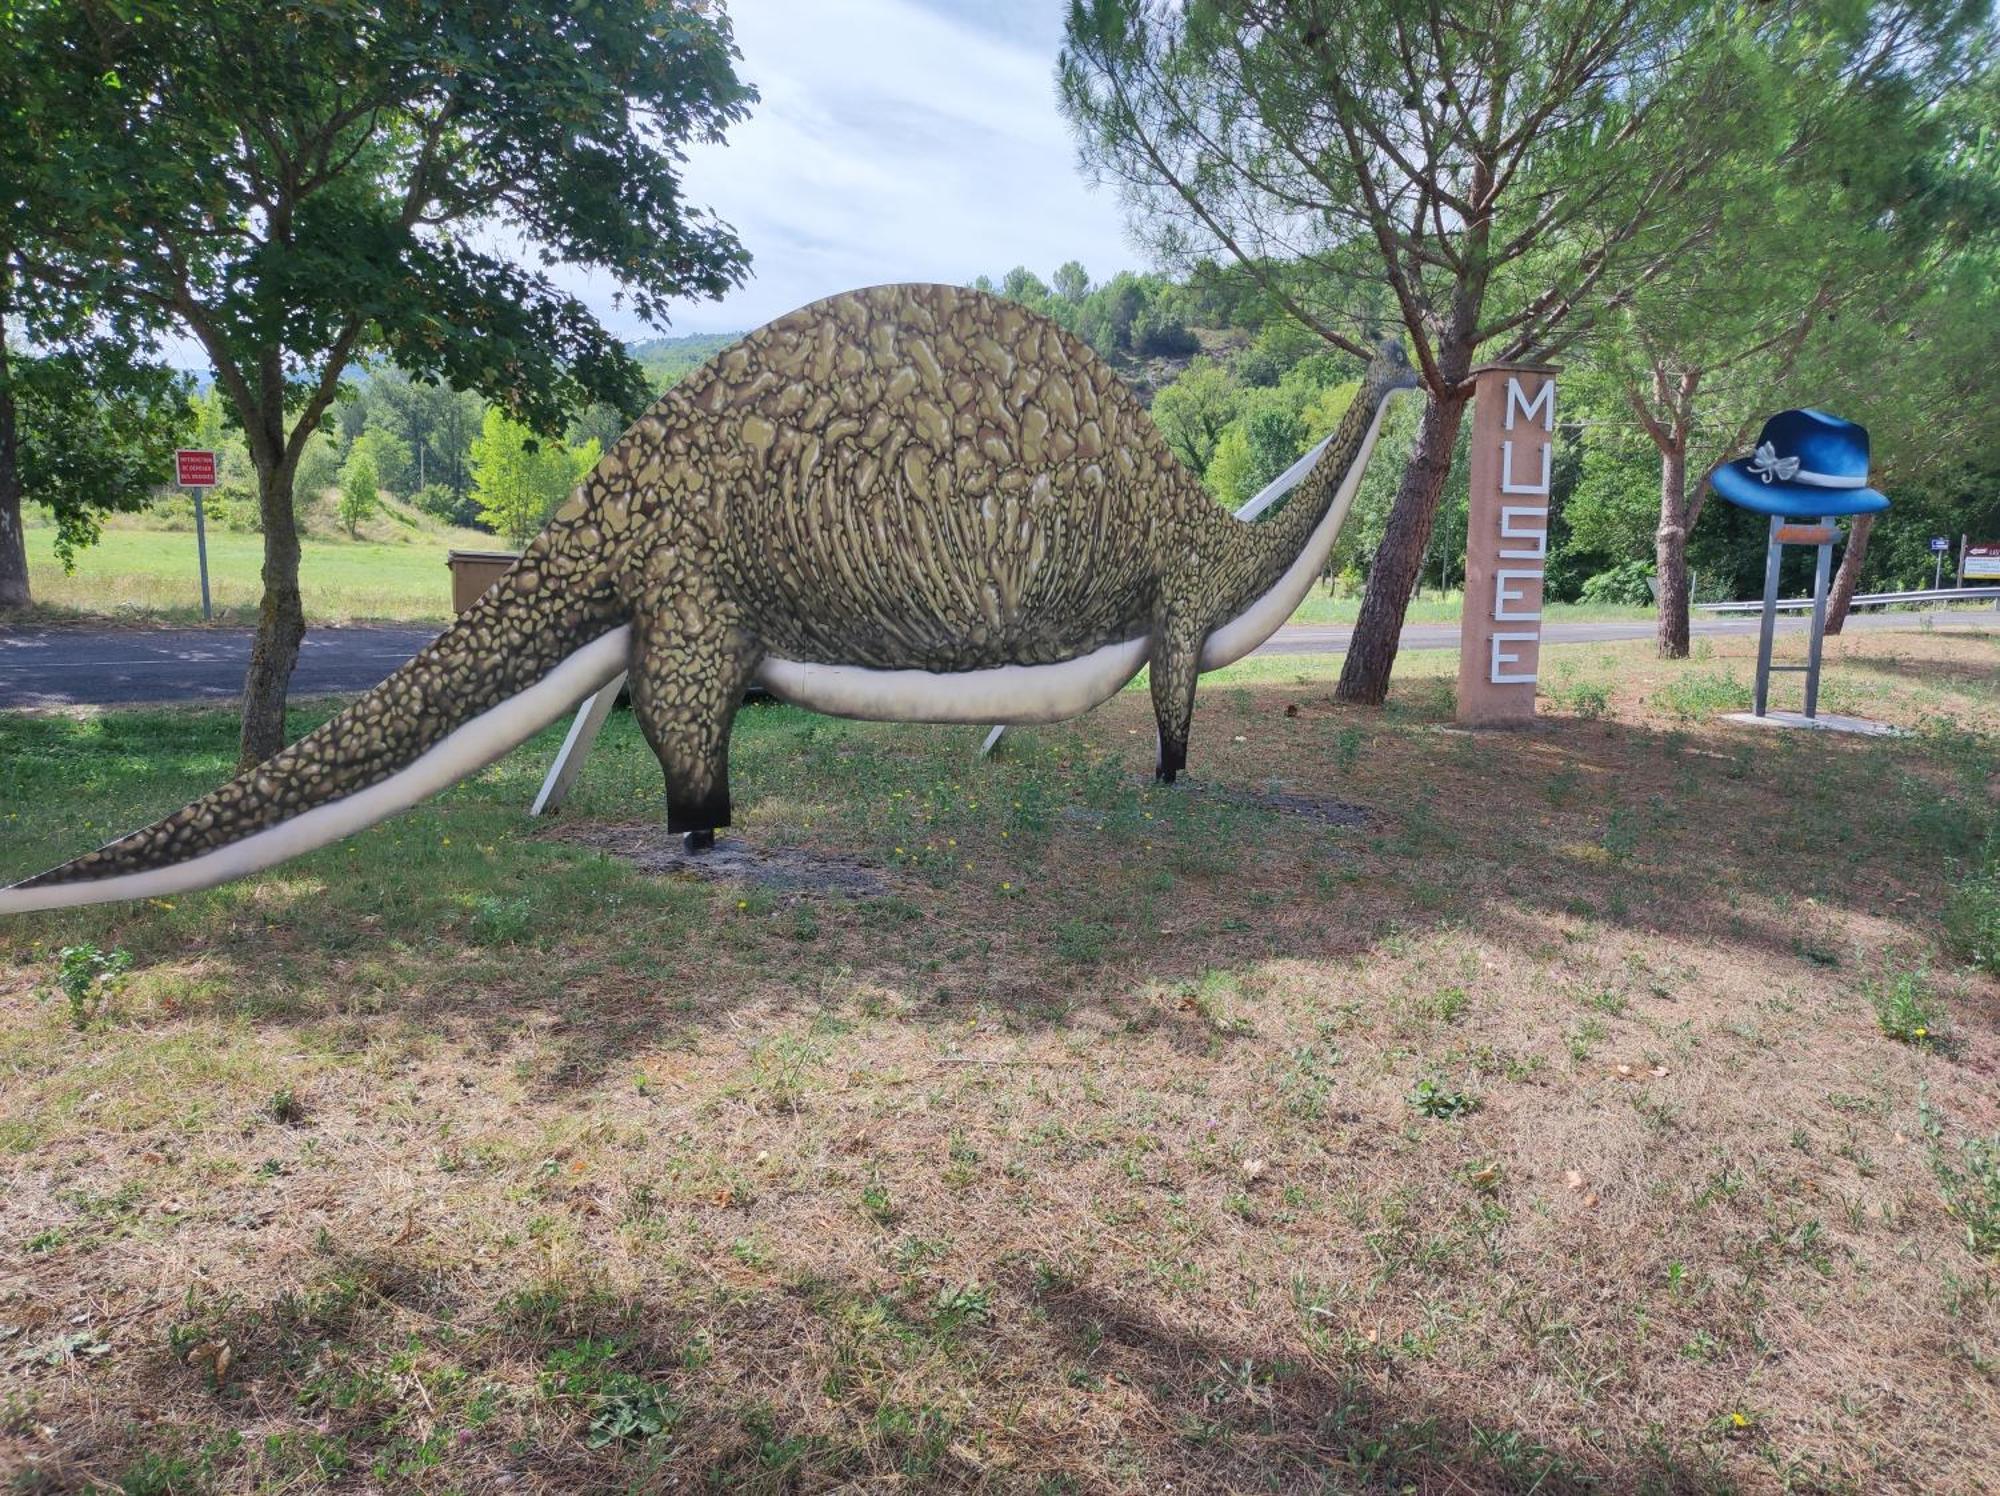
x=691, y=661
x=1175, y=662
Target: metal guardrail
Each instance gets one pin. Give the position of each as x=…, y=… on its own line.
x=1867, y=600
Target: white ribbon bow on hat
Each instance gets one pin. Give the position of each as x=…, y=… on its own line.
x=1767, y=464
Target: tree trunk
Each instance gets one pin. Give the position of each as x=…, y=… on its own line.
x=13, y=538
x=281, y=620
x=1371, y=653
x=1848, y=578
x=1670, y=552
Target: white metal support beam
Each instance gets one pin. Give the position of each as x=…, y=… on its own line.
x=583, y=732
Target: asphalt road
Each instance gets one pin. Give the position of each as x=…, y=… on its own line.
x=124, y=667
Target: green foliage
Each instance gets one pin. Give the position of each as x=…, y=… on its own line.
x=441, y=503
x=1282, y=342
x=389, y=455
x=87, y=979
x=359, y=496
x=1623, y=585
x=1159, y=334
x=620, y=1405
x=1194, y=411
x=1701, y=694
x=96, y=427
x=518, y=480
x=318, y=469
x=301, y=186
x=153, y=117
x=667, y=361
x=1909, y=1010
x=1434, y=1100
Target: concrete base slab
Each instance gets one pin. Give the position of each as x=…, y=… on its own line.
x=1824, y=722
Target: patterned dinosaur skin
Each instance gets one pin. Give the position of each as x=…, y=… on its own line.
x=902, y=479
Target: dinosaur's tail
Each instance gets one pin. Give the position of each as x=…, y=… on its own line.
x=545, y=636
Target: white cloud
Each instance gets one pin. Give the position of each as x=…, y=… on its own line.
x=893, y=142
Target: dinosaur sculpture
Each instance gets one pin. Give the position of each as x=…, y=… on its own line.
x=909, y=503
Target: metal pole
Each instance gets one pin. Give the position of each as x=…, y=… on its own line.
x=1773, y=553
x=1818, y=626
x=1937, y=570
x=201, y=550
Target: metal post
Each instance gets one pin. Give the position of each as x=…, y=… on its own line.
x=201, y=550
x=1820, y=576
x=1768, y=632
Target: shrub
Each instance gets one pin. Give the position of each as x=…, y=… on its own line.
x=439, y=502
x=1160, y=335
x=1623, y=586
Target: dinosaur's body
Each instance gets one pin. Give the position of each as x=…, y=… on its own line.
x=911, y=503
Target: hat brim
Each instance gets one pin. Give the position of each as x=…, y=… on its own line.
x=1735, y=482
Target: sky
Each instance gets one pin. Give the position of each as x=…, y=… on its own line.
x=896, y=140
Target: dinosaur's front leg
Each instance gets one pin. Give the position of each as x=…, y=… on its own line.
x=1175, y=662
x=691, y=661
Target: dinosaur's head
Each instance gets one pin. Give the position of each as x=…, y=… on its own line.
x=1389, y=370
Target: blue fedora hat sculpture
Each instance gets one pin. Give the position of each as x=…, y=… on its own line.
x=1807, y=464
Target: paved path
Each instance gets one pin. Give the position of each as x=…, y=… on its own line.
x=1332, y=638
x=121, y=667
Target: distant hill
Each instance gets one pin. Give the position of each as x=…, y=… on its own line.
x=668, y=360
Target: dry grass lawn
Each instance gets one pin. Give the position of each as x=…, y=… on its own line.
x=1540, y=1128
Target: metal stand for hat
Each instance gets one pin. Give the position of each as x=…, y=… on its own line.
x=1821, y=534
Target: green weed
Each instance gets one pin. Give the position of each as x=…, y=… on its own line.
x=620, y=1405
x=1700, y=695
x=88, y=979
x=1434, y=1100
x=1909, y=1011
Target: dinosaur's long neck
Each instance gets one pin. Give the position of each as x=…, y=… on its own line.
x=1283, y=554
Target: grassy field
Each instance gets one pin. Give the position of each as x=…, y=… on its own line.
x=397, y=573
x=147, y=574
x=1598, y=1106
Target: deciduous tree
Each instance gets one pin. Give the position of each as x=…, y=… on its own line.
x=1834, y=202
x=87, y=425
x=297, y=185
x=359, y=496
x=1500, y=164
x=518, y=480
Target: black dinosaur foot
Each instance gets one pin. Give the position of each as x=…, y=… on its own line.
x=697, y=841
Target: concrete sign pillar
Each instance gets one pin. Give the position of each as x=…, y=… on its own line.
x=1507, y=541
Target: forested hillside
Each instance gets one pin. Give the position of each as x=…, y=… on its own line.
x=1240, y=390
